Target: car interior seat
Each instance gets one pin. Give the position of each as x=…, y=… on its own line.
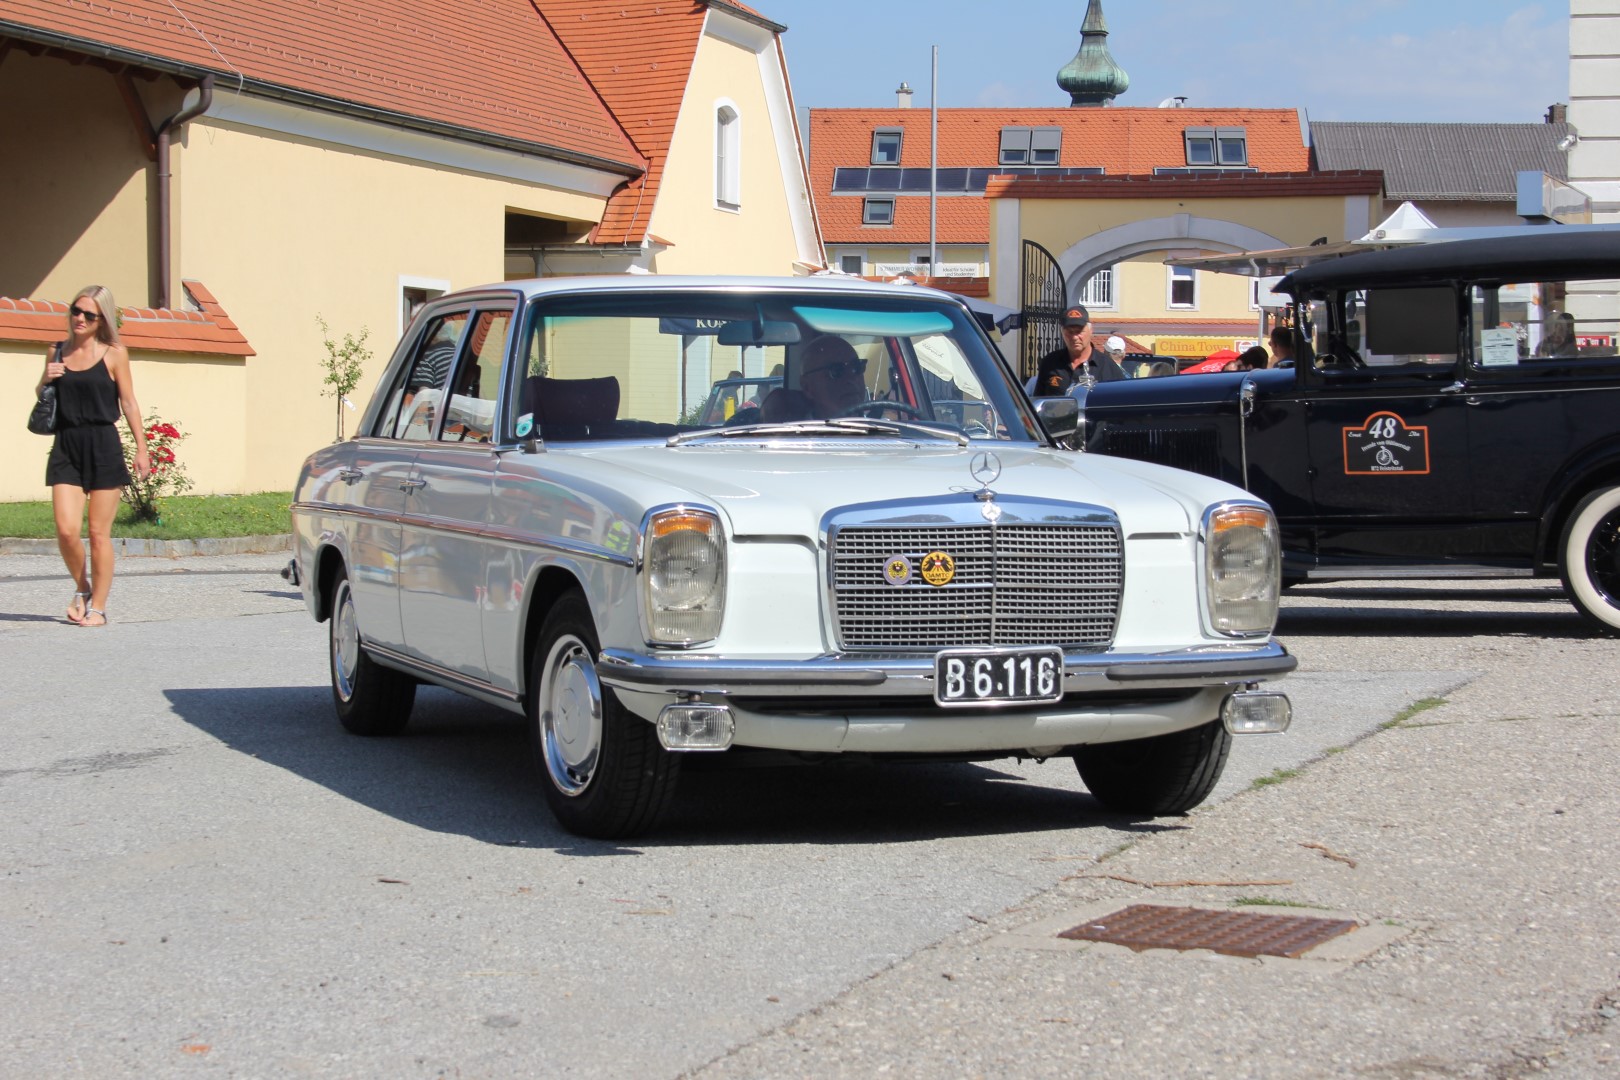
x=571, y=408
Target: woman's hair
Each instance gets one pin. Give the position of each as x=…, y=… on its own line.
x=107, y=325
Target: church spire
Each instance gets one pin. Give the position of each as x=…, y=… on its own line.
x=1092, y=77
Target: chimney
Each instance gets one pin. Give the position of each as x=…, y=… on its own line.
x=902, y=96
x=1558, y=113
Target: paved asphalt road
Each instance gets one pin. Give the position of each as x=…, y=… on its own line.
x=203, y=876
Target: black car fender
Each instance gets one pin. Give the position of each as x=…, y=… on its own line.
x=1597, y=465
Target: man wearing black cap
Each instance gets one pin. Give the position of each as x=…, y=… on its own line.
x=1077, y=360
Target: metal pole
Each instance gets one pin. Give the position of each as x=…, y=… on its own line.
x=933, y=171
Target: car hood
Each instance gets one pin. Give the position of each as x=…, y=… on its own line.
x=776, y=490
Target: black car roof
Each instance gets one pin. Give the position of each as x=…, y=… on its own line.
x=1550, y=254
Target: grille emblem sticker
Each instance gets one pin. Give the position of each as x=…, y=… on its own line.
x=938, y=568
x=897, y=571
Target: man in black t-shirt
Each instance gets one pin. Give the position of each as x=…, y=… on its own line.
x=1077, y=360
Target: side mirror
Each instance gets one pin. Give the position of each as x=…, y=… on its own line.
x=1060, y=416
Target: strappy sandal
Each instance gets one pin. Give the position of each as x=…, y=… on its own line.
x=80, y=604
x=89, y=611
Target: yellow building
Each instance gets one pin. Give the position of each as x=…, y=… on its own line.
x=1055, y=239
x=234, y=172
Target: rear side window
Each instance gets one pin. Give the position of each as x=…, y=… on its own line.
x=413, y=406
x=1543, y=323
x=470, y=414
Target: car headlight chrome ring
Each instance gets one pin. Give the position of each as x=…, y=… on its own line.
x=683, y=575
x=1242, y=569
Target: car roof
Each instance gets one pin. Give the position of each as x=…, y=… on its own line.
x=1549, y=254
x=608, y=283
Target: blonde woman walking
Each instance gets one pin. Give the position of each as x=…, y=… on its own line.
x=90, y=371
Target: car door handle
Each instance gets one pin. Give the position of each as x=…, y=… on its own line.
x=351, y=476
x=408, y=486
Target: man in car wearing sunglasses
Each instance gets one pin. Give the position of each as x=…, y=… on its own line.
x=831, y=382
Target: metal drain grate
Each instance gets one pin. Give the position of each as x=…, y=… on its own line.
x=1236, y=933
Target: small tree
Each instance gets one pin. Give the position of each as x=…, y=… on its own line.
x=344, y=365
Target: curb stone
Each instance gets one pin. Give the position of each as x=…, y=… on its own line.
x=129, y=546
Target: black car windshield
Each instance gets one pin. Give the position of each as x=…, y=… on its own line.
x=663, y=362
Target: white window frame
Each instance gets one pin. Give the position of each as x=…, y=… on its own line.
x=727, y=156
x=1182, y=273
x=899, y=136
x=1254, y=294
x=850, y=253
x=871, y=201
x=1106, y=301
x=434, y=287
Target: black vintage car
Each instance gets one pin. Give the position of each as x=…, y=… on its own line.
x=1454, y=413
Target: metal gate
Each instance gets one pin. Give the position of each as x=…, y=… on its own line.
x=1042, y=300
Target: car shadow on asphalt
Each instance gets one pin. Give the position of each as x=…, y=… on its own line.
x=464, y=768
x=1408, y=610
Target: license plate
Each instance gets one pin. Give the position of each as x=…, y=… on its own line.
x=998, y=676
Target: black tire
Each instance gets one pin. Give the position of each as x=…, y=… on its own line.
x=1589, y=559
x=370, y=699
x=1166, y=774
x=603, y=771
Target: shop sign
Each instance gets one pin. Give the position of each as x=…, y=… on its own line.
x=1195, y=346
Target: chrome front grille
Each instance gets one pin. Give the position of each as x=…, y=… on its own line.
x=1015, y=584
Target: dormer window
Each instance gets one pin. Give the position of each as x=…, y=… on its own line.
x=886, y=146
x=877, y=212
x=1031, y=146
x=1218, y=147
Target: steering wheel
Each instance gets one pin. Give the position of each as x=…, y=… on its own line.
x=880, y=405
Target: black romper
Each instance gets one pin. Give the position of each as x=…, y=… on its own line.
x=87, y=452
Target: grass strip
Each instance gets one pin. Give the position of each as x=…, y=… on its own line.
x=184, y=517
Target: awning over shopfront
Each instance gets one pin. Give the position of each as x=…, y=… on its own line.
x=1272, y=263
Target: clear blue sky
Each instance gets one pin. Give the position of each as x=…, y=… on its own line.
x=1454, y=60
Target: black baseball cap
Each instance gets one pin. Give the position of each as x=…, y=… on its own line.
x=1076, y=316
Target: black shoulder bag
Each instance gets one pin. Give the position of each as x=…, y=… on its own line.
x=42, y=420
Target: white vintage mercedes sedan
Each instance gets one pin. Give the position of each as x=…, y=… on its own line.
x=659, y=516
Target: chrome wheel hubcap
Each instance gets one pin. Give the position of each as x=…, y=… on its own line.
x=571, y=716
x=345, y=644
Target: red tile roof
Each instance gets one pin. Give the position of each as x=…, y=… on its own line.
x=638, y=55
x=1122, y=141
x=209, y=332
x=484, y=66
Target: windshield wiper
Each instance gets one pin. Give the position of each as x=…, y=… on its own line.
x=842, y=425
x=873, y=426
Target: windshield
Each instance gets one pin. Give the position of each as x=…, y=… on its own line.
x=658, y=364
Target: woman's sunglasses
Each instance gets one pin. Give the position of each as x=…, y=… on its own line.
x=87, y=316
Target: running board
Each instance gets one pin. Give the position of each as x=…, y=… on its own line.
x=1447, y=572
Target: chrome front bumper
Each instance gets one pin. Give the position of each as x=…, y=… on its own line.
x=913, y=675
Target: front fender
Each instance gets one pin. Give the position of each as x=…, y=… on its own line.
x=1597, y=465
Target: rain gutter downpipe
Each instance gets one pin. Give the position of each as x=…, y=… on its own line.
x=165, y=239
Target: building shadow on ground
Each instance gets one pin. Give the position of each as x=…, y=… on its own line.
x=464, y=768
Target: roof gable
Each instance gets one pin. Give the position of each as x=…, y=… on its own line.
x=1443, y=161
x=489, y=67
x=638, y=55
